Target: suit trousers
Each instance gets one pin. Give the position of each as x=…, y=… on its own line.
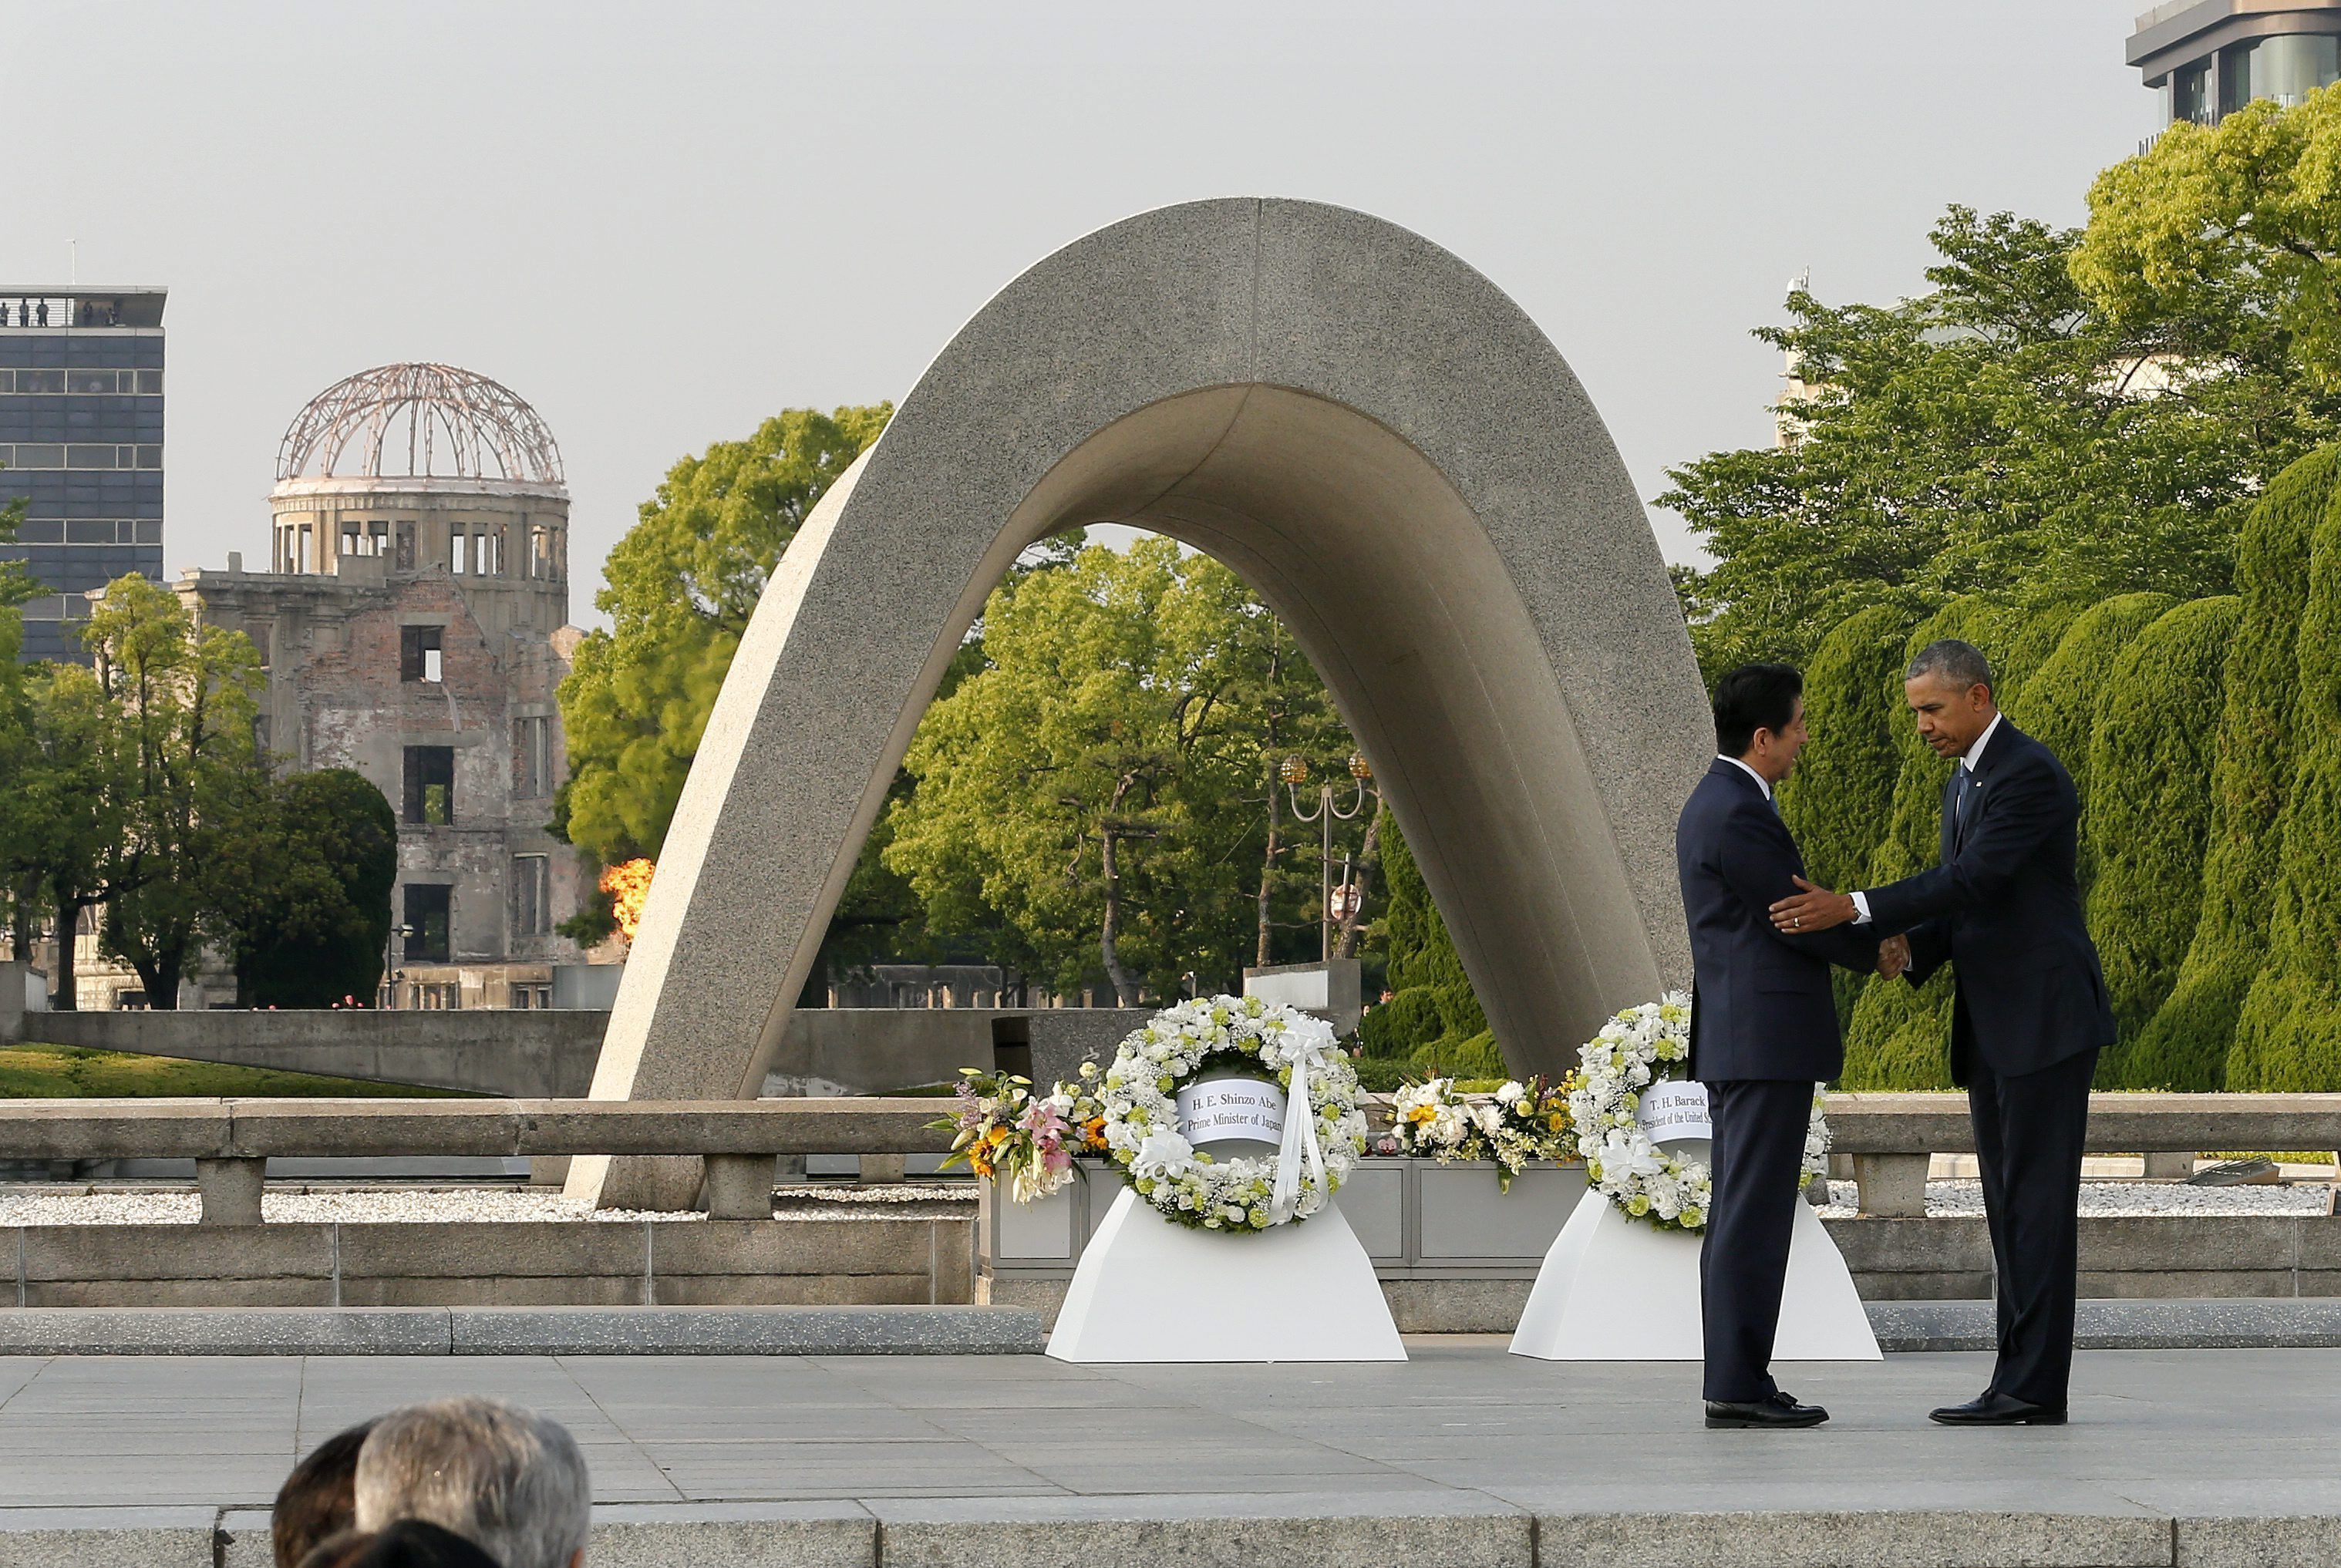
x=1760, y=1147
x=2029, y=1130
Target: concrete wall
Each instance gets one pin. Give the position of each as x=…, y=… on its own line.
x=531, y=1054
x=914, y=1260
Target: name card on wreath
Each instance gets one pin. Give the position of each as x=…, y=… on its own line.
x=1215, y=1110
x=1673, y=1112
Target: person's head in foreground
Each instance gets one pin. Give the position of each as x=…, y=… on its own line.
x=508, y=1480
x=409, y=1543
x=318, y=1498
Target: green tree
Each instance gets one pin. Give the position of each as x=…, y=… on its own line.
x=180, y=701
x=2226, y=238
x=2289, y=1036
x=1432, y=1023
x=303, y=880
x=682, y=584
x=2188, y=1042
x=1086, y=787
x=2148, y=813
x=65, y=810
x=2004, y=432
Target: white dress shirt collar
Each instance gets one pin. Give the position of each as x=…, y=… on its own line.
x=1753, y=774
x=1982, y=740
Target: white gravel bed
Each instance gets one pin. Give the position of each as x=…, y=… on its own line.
x=409, y=1206
x=1957, y=1199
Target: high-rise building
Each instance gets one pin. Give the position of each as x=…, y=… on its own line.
x=2208, y=58
x=81, y=439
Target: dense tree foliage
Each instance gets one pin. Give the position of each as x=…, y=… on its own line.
x=2220, y=243
x=2009, y=432
x=1101, y=791
x=2187, y=1044
x=304, y=888
x=682, y=583
x=1432, y=1022
x=2149, y=810
x=2288, y=1035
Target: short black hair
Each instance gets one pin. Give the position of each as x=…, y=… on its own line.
x=1962, y=664
x=1751, y=698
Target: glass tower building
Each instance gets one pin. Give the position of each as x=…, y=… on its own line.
x=81, y=440
x=2208, y=58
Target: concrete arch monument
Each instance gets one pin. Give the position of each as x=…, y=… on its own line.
x=1386, y=447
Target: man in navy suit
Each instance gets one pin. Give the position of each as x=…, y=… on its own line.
x=1763, y=1032
x=2029, y=1014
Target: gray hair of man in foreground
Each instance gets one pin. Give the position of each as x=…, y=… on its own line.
x=508, y=1480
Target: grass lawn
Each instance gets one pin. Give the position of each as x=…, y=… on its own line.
x=31, y=1072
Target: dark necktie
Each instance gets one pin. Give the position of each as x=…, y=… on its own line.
x=1960, y=802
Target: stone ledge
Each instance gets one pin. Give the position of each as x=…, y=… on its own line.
x=741, y=1331
x=521, y=1331
x=1430, y=1530
x=2238, y=1323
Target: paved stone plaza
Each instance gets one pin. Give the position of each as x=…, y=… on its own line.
x=1503, y=1459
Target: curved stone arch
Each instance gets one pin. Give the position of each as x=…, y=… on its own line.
x=1376, y=438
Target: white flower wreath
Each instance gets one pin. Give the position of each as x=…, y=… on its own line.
x=1324, y=1129
x=1638, y=1048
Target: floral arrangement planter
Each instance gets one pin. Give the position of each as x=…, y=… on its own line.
x=1418, y=1218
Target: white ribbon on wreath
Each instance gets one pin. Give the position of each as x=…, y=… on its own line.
x=1299, y=1142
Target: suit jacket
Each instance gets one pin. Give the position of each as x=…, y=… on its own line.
x=2005, y=905
x=1760, y=1001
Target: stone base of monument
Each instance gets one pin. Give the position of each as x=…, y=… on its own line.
x=1614, y=1289
x=1149, y=1290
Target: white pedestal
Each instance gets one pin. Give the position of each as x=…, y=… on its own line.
x=1149, y=1290
x=1614, y=1289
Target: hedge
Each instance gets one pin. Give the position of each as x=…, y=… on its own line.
x=2288, y=1036
x=1837, y=799
x=2187, y=1044
x=2149, y=813
x=2060, y=702
x=1433, y=1022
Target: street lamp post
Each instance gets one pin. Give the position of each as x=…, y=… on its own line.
x=1294, y=771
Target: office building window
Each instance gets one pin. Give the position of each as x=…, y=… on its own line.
x=419, y=653
x=431, y=786
x=430, y=917
x=532, y=896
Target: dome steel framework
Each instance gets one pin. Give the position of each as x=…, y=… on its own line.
x=438, y=413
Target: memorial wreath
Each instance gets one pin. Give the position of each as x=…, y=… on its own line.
x=1212, y=1040
x=1638, y=1048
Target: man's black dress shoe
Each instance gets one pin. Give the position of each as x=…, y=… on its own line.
x=1999, y=1410
x=1777, y=1410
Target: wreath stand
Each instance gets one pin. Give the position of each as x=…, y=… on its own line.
x=1150, y=1290
x=1613, y=1288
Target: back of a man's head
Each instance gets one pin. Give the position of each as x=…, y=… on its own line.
x=316, y=1500
x=509, y=1480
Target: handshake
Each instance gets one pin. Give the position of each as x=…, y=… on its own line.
x=1816, y=909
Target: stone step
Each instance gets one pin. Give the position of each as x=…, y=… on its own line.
x=521, y=1331
x=1294, y=1530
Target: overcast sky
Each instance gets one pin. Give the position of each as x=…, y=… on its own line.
x=660, y=224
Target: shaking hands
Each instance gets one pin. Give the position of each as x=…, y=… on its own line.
x=1817, y=909
x=1814, y=910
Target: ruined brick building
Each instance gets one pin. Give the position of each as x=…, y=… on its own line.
x=413, y=624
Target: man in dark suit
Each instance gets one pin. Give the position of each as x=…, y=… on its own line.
x=2029, y=1014
x=1763, y=1032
